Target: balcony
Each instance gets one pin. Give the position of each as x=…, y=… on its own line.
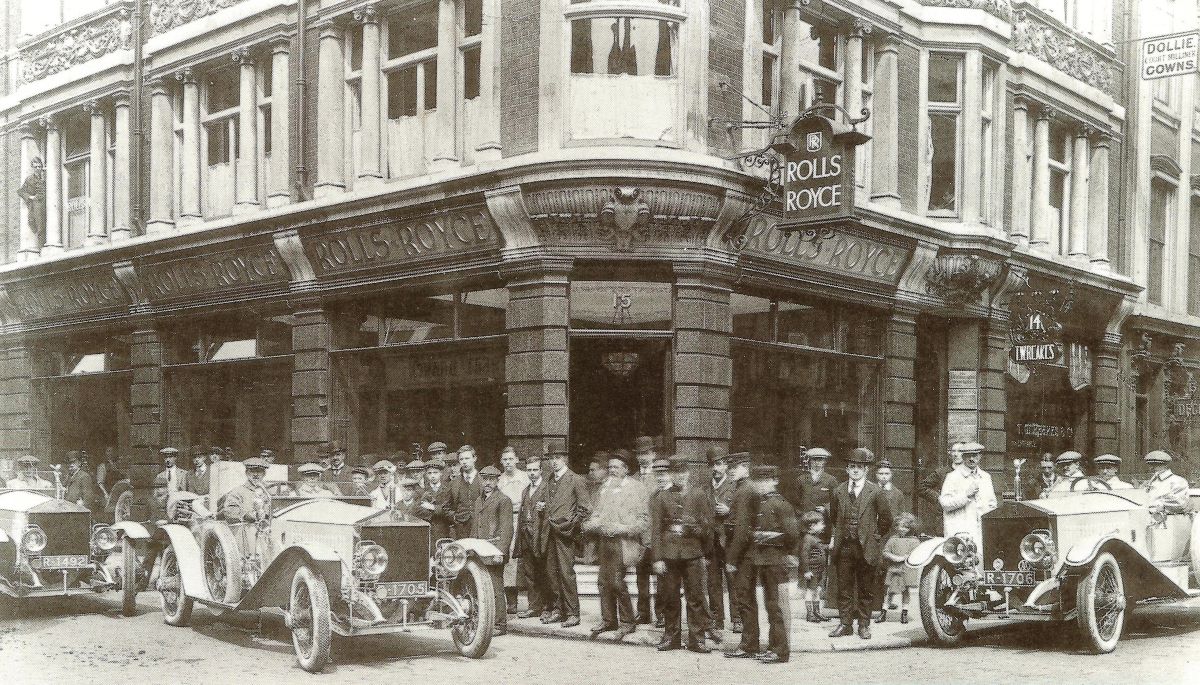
x=1043, y=37
x=76, y=42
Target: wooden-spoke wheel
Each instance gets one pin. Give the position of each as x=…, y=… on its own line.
x=176, y=605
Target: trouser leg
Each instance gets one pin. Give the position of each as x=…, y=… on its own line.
x=775, y=583
x=625, y=615
x=698, y=611
x=643, y=585
x=562, y=565
x=668, y=589
x=607, y=581
x=867, y=580
x=497, y=573
x=848, y=561
x=715, y=584
x=745, y=582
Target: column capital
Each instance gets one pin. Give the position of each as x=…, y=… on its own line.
x=93, y=107
x=1023, y=102
x=185, y=76
x=280, y=45
x=1046, y=113
x=26, y=128
x=120, y=98
x=859, y=28
x=886, y=41
x=330, y=27
x=1101, y=138
x=366, y=14
x=49, y=122
x=1084, y=131
x=243, y=56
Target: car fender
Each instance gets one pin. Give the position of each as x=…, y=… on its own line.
x=925, y=552
x=4, y=536
x=1150, y=580
x=482, y=550
x=187, y=555
x=274, y=586
x=132, y=530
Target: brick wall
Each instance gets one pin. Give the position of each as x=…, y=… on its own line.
x=15, y=398
x=145, y=394
x=908, y=77
x=312, y=382
x=520, y=33
x=726, y=49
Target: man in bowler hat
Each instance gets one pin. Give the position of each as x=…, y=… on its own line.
x=861, y=520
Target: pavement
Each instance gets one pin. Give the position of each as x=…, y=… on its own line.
x=805, y=636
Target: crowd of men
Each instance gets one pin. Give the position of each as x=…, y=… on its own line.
x=716, y=542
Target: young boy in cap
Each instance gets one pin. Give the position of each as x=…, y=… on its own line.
x=680, y=534
x=766, y=533
x=385, y=495
x=492, y=521
x=861, y=521
x=1109, y=465
x=359, y=479
x=1168, y=491
x=812, y=557
x=437, y=504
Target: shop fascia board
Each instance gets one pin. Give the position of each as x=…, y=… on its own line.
x=1054, y=266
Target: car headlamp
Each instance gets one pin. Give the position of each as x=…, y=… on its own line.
x=1037, y=548
x=959, y=549
x=104, y=538
x=452, y=557
x=33, y=540
x=370, y=558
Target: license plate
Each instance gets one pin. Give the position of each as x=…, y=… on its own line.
x=401, y=590
x=61, y=562
x=1009, y=578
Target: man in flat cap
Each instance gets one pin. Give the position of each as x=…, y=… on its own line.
x=80, y=487
x=719, y=489
x=178, y=479
x=619, y=521
x=680, y=535
x=465, y=489
x=1068, y=464
x=250, y=501
x=1047, y=476
x=492, y=521
x=385, y=495
x=415, y=469
x=646, y=456
x=566, y=506
x=816, y=487
x=310, y=481
x=967, y=494
x=360, y=477
x=1168, y=491
x=766, y=534
x=1109, y=465
x=861, y=521
x=437, y=502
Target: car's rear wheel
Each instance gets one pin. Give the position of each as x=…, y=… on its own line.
x=936, y=587
x=309, y=620
x=176, y=605
x=121, y=508
x=222, y=562
x=129, y=577
x=474, y=585
x=1100, y=605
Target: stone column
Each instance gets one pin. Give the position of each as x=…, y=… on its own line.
x=122, y=199
x=536, y=366
x=279, y=189
x=331, y=160
x=369, y=167
x=1106, y=386
x=1077, y=244
x=145, y=394
x=703, y=367
x=162, y=159
x=885, y=103
x=972, y=124
x=900, y=390
x=312, y=380
x=16, y=405
x=30, y=245
x=1019, y=229
x=247, y=166
x=54, y=169
x=97, y=232
x=1039, y=209
x=488, y=149
x=789, y=60
x=852, y=77
x=1098, y=212
x=445, y=153
x=189, y=152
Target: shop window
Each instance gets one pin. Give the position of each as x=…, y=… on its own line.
x=621, y=305
x=1162, y=200
x=80, y=356
x=1193, y=299
x=229, y=338
x=802, y=324
x=753, y=317
x=944, y=132
x=482, y=312
x=814, y=324
x=414, y=320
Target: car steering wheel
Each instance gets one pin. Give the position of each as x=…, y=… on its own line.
x=1091, y=483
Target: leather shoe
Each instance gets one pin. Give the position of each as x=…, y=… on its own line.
x=841, y=630
x=529, y=614
x=642, y=619
x=739, y=654
x=881, y=617
x=500, y=630
x=660, y=622
x=771, y=658
x=554, y=617
x=624, y=630
x=714, y=635
x=737, y=627
x=668, y=646
x=864, y=630
x=699, y=649
x=571, y=622
x=596, y=630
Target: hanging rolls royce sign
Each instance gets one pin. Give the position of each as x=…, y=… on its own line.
x=818, y=172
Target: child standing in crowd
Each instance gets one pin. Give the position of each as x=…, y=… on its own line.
x=812, y=564
x=899, y=579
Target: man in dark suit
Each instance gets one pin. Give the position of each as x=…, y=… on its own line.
x=465, y=490
x=492, y=521
x=931, y=484
x=861, y=520
x=720, y=491
x=81, y=488
x=680, y=535
x=565, y=508
x=539, y=593
x=740, y=582
x=644, y=447
x=437, y=503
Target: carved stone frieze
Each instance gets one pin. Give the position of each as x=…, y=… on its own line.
x=961, y=279
x=168, y=14
x=59, y=52
x=998, y=8
x=623, y=217
x=1068, y=53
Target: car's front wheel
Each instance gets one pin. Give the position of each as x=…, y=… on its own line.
x=474, y=586
x=222, y=562
x=129, y=577
x=936, y=587
x=176, y=605
x=309, y=620
x=1100, y=605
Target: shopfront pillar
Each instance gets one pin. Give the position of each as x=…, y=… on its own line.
x=975, y=398
x=16, y=418
x=145, y=395
x=703, y=368
x=900, y=391
x=536, y=366
x=1106, y=395
x=312, y=381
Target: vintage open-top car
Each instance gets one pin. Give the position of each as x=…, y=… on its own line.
x=52, y=547
x=332, y=565
x=1088, y=556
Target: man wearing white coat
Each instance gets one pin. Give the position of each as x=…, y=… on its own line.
x=967, y=494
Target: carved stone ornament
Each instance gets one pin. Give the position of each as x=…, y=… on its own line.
x=960, y=279
x=997, y=8
x=168, y=14
x=1068, y=53
x=624, y=217
x=105, y=34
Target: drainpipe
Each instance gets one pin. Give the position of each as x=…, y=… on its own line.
x=301, y=97
x=136, y=219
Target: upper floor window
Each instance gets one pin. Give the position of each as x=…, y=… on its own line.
x=1162, y=216
x=38, y=16
x=1092, y=18
x=220, y=105
x=1193, y=269
x=944, y=132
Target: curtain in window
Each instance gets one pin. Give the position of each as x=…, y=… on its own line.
x=662, y=57
x=581, y=46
